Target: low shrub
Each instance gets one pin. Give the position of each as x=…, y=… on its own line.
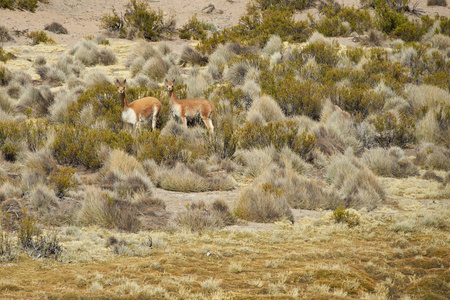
x=4, y=34
x=193, y=57
x=56, y=27
x=62, y=178
x=391, y=162
x=437, y=3
x=200, y=217
x=263, y=203
x=139, y=19
x=394, y=131
x=10, y=150
x=433, y=157
x=38, y=37
x=194, y=29
x=277, y=134
x=103, y=209
x=355, y=183
x=341, y=215
x=4, y=56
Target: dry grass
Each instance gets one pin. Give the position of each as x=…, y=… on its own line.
x=391, y=162
x=268, y=108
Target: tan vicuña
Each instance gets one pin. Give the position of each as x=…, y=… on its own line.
x=191, y=107
x=139, y=110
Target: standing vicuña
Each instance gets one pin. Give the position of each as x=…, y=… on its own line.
x=191, y=107
x=139, y=110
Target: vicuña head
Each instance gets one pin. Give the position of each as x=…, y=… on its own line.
x=139, y=110
x=188, y=108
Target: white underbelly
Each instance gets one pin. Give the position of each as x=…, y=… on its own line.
x=129, y=116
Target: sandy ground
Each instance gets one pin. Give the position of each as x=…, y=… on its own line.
x=83, y=17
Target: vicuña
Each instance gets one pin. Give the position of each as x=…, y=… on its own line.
x=139, y=110
x=188, y=108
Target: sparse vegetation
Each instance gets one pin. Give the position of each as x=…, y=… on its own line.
x=314, y=145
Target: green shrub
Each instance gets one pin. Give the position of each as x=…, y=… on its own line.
x=388, y=19
x=27, y=230
x=152, y=145
x=295, y=97
x=38, y=37
x=62, y=178
x=341, y=215
x=139, y=17
x=256, y=27
x=194, y=29
x=394, y=131
x=10, y=150
x=9, y=4
x=4, y=56
x=277, y=134
x=283, y=4
x=444, y=23
x=5, y=74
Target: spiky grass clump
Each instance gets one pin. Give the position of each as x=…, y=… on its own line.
x=304, y=193
x=38, y=37
x=274, y=45
x=181, y=179
x=433, y=157
x=267, y=108
x=90, y=54
x=156, y=68
x=193, y=57
x=263, y=203
x=200, y=217
x=355, y=183
x=391, y=162
x=236, y=72
x=38, y=100
x=197, y=82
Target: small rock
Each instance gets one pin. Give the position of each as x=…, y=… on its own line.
x=208, y=9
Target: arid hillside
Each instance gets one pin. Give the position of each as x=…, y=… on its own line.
x=326, y=174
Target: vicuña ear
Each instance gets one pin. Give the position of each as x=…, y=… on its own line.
x=173, y=81
x=166, y=80
x=117, y=81
x=124, y=81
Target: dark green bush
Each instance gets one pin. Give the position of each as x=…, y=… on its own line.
x=444, y=23
x=388, y=19
x=359, y=102
x=112, y=22
x=167, y=149
x=34, y=134
x=283, y=4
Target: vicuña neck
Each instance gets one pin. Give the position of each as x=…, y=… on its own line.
x=123, y=100
x=173, y=97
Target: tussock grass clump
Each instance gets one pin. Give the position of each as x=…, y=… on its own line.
x=236, y=72
x=301, y=192
x=43, y=199
x=102, y=208
x=90, y=54
x=4, y=34
x=182, y=179
x=56, y=27
x=264, y=203
x=193, y=57
x=197, y=83
x=63, y=180
x=274, y=45
x=36, y=99
x=200, y=217
x=355, y=183
x=433, y=157
x=156, y=68
x=389, y=162
x=266, y=107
